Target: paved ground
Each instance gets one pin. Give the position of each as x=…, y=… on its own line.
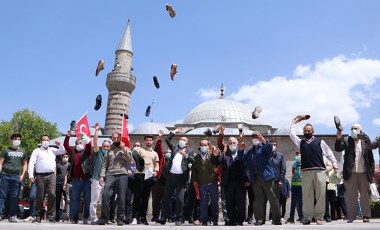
x=340, y=224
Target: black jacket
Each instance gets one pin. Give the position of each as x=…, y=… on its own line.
x=185, y=161
x=226, y=160
x=349, y=156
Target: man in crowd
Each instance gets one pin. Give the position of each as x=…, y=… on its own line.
x=358, y=170
x=178, y=174
x=42, y=162
x=13, y=166
x=80, y=175
x=313, y=171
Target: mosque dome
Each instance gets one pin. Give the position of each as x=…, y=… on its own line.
x=151, y=128
x=285, y=131
x=219, y=111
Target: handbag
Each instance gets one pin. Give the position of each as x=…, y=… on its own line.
x=374, y=192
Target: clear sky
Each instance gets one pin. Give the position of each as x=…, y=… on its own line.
x=291, y=57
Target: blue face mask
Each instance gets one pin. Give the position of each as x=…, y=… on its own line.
x=168, y=155
x=354, y=133
x=104, y=152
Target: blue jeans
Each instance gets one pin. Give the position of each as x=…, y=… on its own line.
x=80, y=186
x=32, y=200
x=206, y=191
x=296, y=201
x=9, y=187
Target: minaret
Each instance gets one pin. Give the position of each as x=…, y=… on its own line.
x=120, y=84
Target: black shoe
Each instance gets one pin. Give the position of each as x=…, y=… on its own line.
x=73, y=125
x=98, y=103
x=139, y=221
x=250, y=220
x=215, y=224
x=277, y=223
x=40, y=214
x=289, y=221
x=144, y=221
x=161, y=221
x=153, y=219
x=258, y=223
x=240, y=224
x=147, y=111
x=155, y=81
x=178, y=223
x=119, y=222
x=328, y=219
x=305, y=221
x=191, y=220
x=127, y=221
x=204, y=223
x=338, y=126
x=51, y=219
x=101, y=222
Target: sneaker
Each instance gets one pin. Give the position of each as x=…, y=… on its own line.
x=282, y=220
x=134, y=221
x=256, y=112
x=85, y=221
x=29, y=218
x=13, y=219
x=320, y=222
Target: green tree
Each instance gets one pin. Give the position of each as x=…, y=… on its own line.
x=30, y=125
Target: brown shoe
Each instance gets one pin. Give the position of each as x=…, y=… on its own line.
x=170, y=10
x=216, y=129
x=100, y=67
x=302, y=117
x=173, y=71
x=197, y=222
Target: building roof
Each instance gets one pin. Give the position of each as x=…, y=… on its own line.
x=151, y=128
x=221, y=111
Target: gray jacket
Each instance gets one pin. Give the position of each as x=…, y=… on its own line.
x=116, y=162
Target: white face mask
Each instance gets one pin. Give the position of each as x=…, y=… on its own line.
x=273, y=148
x=79, y=147
x=255, y=141
x=204, y=149
x=65, y=159
x=16, y=143
x=232, y=148
x=354, y=133
x=45, y=144
x=182, y=143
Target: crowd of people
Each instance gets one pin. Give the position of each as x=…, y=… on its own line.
x=186, y=184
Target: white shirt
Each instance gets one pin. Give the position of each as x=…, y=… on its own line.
x=177, y=164
x=44, y=160
x=359, y=166
x=325, y=148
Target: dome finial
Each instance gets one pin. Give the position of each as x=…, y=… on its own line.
x=221, y=92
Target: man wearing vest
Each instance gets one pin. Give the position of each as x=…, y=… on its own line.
x=313, y=171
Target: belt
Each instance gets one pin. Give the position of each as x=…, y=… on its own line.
x=44, y=174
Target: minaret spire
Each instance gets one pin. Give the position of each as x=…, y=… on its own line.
x=126, y=41
x=221, y=92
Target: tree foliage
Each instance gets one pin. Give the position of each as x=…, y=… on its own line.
x=30, y=125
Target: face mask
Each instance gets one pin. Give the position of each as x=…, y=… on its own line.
x=168, y=155
x=298, y=158
x=232, y=148
x=117, y=144
x=16, y=143
x=204, y=149
x=255, y=141
x=65, y=159
x=182, y=143
x=354, y=133
x=79, y=147
x=45, y=144
x=274, y=148
x=308, y=135
x=104, y=152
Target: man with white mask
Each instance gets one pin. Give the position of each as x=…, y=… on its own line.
x=42, y=162
x=80, y=175
x=263, y=179
x=61, y=184
x=358, y=170
x=178, y=175
x=13, y=165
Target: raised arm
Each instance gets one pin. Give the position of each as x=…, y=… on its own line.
x=96, y=137
x=66, y=143
x=293, y=133
x=220, y=142
x=169, y=138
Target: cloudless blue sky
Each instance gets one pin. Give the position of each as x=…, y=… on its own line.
x=50, y=49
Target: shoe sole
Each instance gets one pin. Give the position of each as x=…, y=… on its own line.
x=338, y=126
x=256, y=112
x=173, y=71
x=170, y=10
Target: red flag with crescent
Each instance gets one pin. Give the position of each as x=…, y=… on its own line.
x=83, y=126
x=124, y=132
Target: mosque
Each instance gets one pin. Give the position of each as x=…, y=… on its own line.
x=220, y=111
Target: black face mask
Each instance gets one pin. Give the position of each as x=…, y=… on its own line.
x=117, y=144
x=308, y=135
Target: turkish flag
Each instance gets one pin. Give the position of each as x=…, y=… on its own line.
x=83, y=126
x=124, y=132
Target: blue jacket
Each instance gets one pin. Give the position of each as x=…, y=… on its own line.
x=279, y=166
x=259, y=157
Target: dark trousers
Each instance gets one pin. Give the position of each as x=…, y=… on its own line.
x=223, y=200
x=174, y=182
x=251, y=199
x=282, y=204
x=142, y=190
x=209, y=191
x=266, y=190
x=330, y=204
x=45, y=182
x=118, y=183
x=128, y=199
x=235, y=191
x=190, y=200
x=341, y=207
x=59, y=195
x=296, y=201
x=158, y=194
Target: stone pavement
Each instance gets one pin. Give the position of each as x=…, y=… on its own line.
x=340, y=224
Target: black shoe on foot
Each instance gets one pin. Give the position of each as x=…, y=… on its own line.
x=119, y=222
x=305, y=222
x=161, y=221
x=178, y=223
x=101, y=222
x=144, y=221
